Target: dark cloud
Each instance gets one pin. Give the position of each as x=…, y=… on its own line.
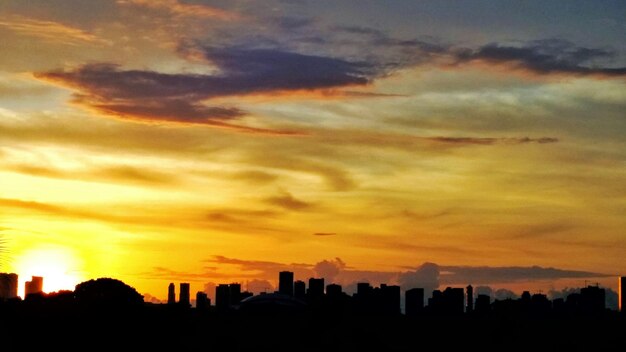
x=425, y=276
x=490, y=140
x=486, y=274
x=329, y=269
x=289, y=202
x=324, y=234
x=153, y=96
x=550, y=56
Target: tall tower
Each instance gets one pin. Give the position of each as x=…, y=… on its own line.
x=35, y=285
x=299, y=289
x=285, y=283
x=171, y=294
x=414, y=301
x=470, y=299
x=183, y=299
x=8, y=286
x=622, y=294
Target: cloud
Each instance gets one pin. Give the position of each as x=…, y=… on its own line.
x=329, y=269
x=425, y=276
x=50, y=31
x=113, y=173
x=486, y=275
x=161, y=97
x=289, y=202
x=175, y=7
x=325, y=234
x=490, y=140
x=548, y=56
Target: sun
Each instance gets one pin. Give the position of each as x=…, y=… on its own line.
x=59, y=267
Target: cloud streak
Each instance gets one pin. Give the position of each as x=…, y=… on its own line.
x=178, y=8
x=50, y=31
x=549, y=56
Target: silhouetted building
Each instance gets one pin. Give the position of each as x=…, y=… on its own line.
x=285, y=283
x=622, y=294
x=364, y=289
x=316, y=288
x=35, y=285
x=449, y=302
x=8, y=285
x=592, y=299
x=470, y=299
x=540, y=303
x=483, y=304
x=184, y=296
x=299, y=289
x=390, y=299
x=234, y=292
x=202, y=301
x=222, y=297
x=334, y=290
x=414, y=301
x=171, y=294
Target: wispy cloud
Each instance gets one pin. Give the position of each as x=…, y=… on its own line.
x=178, y=8
x=114, y=174
x=289, y=202
x=50, y=31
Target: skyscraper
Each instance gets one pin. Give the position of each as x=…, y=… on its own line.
x=316, y=288
x=414, y=301
x=285, y=283
x=35, y=285
x=171, y=294
x=202, y=301
x=299, y=289
x=222, y=297
x=622, y=294
x=8, y=285
x=184, y=298
x=470, y=299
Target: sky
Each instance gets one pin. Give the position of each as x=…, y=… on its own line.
x=419, y=143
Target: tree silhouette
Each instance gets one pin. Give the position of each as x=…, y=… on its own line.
x=106, y=292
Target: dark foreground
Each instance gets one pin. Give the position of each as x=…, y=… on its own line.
x=176, y=329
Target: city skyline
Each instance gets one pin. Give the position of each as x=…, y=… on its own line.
x=210, y=141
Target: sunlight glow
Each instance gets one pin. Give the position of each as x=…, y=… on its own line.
x=59, y=266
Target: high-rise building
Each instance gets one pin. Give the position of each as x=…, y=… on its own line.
x=622, y=294
x=414, y=301
x=222, y=297
x=390, y=299
x=285, y=283
x=470, y=299
x=592, y=299
x=483, y=304
x=334, y=290
x=202, y=301
x=8, y=286
x=234, y=293
x=184, y=298
x=34, y=286
x=171, y=294
x=316, y=288
x=299, y=289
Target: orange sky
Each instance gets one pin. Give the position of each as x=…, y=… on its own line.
x=148, y=147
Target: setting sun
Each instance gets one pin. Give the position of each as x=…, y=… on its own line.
x=58, y=266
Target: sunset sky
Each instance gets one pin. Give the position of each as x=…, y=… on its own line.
x=222, y=141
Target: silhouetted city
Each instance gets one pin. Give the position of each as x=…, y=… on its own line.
x=309, y=315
